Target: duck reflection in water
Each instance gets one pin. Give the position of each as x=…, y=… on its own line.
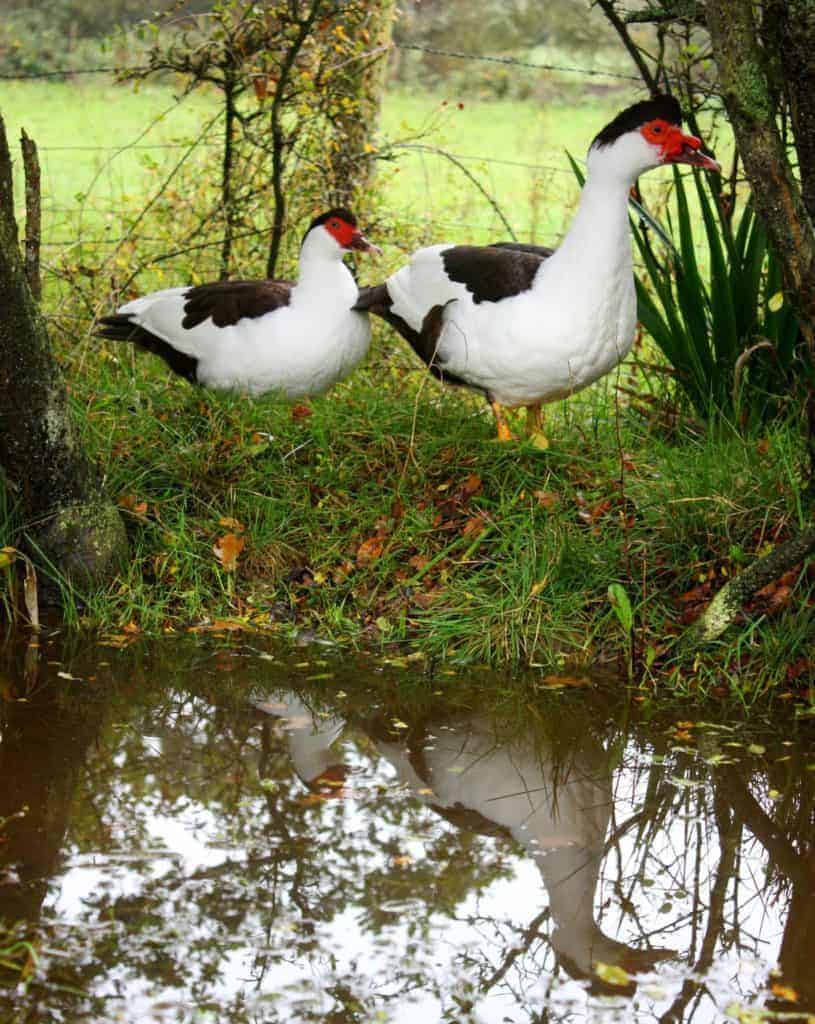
x=556, y=806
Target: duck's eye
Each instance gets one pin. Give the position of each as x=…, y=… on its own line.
x=335, y=223
x=656, y=129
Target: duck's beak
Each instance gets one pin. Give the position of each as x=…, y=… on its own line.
x=686, y=149
x=360, y=242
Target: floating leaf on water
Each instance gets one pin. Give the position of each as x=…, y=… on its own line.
x=612, y=974
x=685, y=783
x=756, y=748
x=397, y=723
x=776, y=302
x=784, y=992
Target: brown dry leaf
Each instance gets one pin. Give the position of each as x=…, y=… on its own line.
x=784, y=992
x=566, y=681
x=261, y=86
x=546, y=499
x=116, y=640
x=132, y=628
x=471, y=484
x=227, y=550
x=763, y=446
x=418, y=561
x=425, y=599
x=232, y=524
x=130, y=503
x=696, y=594
x=369, y=550
x=473, y=527
x=300, y=412
x=402, y=861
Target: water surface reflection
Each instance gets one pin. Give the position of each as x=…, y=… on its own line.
x=204, y=834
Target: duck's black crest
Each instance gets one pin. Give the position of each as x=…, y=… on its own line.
x=664, y=107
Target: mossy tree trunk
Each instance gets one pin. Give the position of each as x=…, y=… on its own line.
x=68, y=521
x=745, y=73
x=356, y=116
x=752, y=78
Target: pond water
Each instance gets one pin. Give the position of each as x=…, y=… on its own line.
x=211, y=831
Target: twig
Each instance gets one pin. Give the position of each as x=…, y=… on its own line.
x=33, y=214
x=467, y=174
x=620, y=27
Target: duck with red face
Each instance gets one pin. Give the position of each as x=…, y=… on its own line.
x=524, y=324
x=295, y=338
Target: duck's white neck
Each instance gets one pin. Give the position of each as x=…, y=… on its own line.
x=322, y=272
x=599, y=232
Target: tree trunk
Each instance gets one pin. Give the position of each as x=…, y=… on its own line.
x=69, y=524
x=356, y=122
x=747, y=91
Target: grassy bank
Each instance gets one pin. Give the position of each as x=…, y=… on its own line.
x=386, y=512
x=390, y=513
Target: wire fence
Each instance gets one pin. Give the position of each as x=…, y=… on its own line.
x=70, y=214
x=567, y=69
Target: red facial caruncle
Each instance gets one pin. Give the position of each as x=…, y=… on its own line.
x=676, y=147
x=341, y=230
x=348, y=236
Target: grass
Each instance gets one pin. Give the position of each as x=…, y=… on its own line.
x=390, y=513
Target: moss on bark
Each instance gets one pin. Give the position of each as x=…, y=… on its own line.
x=67, y=517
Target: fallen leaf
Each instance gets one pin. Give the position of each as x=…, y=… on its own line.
x=784, y=992
x=546, y=499
x=232, y=524
x=473, y=526
x=227, y=550
x=612, y=974
x=300, y=412
x=130, y=503
x=471, y=484
x=369, y=550
x=566, y=681
x=539, y=440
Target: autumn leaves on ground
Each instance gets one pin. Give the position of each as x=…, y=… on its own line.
x=382, y=514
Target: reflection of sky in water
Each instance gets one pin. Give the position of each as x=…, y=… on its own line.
x=415, y=963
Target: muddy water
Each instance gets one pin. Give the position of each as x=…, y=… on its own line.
x=215, y=832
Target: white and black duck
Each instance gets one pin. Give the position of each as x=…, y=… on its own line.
x=527, y=325
x=295, y=338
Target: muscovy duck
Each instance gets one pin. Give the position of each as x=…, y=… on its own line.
x=296, y=338
x=524, y=324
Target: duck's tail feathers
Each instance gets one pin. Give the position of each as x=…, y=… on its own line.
x=121, y=327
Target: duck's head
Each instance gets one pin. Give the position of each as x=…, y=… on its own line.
x=645, y=135
x=334, y=233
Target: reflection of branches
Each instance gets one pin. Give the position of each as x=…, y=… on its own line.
x=773, y=838
x=729, y=828
x=528, y=936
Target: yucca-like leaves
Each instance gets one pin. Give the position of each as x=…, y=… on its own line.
x=704, y=318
